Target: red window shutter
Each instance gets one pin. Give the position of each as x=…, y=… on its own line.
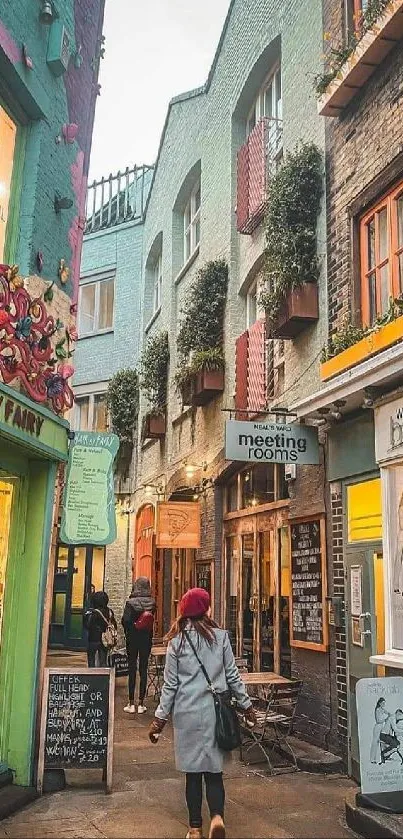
x=257, y=168
x=257, y=367
x=241, y=372
x=242, y=204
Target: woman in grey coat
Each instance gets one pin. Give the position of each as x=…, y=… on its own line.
x=187, y=696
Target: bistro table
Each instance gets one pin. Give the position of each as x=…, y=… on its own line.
x=264, y=678
x=156, y=669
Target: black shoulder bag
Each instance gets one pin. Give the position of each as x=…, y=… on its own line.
x=227, y=730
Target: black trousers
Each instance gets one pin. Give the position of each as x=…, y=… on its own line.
x=138, y=649
x=215, y=795
x=102, y=656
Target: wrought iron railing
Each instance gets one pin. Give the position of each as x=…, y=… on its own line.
x=258, y=160
x=117, y=199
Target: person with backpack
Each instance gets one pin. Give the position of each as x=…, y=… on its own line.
x=199, y=680
x=138, y=623
x=102, y=629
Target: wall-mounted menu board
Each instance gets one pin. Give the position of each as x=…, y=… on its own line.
x=308, y=585
x=77, y=721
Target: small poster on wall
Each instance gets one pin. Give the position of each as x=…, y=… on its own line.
x=308, y=585
x=380, y=732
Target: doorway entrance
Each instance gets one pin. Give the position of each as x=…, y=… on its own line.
x=7, y=491
x=365, y=619
x=257, y=595
x=78, y=571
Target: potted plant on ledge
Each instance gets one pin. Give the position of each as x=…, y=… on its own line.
x=290, y=295
x=154, y=378
x=200, y=374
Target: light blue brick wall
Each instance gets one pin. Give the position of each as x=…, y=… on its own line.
x=97, y=358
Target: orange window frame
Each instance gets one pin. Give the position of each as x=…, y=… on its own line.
x=391, y=258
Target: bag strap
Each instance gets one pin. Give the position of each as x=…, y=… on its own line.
x=203, y=669
x=102, y=616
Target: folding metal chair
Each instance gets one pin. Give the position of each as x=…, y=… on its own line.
x=274, y=725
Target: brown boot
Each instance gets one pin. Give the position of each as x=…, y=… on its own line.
x=217, y=828
x=194, y=833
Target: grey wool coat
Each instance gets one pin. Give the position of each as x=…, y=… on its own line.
x=186, y=695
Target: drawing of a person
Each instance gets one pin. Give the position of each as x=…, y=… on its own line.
x=398, y=558
x=381, y=716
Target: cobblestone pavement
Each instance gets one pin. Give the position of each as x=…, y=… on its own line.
x=148, y=801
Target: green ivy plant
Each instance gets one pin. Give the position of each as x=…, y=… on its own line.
x=122, y=399
x=295, y=193
x=154, y=372
x=201, y=332
x=349, y=334
x=337, y=56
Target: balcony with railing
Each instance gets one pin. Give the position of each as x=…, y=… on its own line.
x=117, y=199
x=258, y=160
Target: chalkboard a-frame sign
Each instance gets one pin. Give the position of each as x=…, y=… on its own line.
x=77, y=721
x=308, y=624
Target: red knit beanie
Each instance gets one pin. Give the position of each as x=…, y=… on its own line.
x=194, y=603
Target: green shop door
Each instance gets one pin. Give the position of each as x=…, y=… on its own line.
x=78, y=569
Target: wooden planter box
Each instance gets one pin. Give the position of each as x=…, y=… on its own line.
x=207, y=385
x=372, y=344
x=371, y=50
x=154, y=426
x=299, y=310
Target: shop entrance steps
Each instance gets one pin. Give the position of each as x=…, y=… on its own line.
x=12, y=796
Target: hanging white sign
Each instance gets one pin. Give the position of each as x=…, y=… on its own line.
x=264, y=442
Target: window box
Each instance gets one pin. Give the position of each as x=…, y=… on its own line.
x=371, y=50
x=154, y=426
x=206, y=385
x=298, y=311
x=372, y=344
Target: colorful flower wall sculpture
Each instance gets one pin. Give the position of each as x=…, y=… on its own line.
x=27, y=353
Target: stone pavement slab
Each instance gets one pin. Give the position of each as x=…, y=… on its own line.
x=148, y=797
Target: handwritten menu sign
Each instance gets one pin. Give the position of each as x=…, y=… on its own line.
x=77, y=721
x=308, y=625
x=119, y=661
x=89, y=501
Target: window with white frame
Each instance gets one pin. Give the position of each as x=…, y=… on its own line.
x=191, y=222
x=95, y=306
x=91, y=412
x=251, y=305
x=157, y=283
x=268, y=102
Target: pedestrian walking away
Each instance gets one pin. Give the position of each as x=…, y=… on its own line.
x=187, y=696
x=138, y=622
x=97, y=620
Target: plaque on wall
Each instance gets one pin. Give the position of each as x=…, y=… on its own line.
x=308, y=585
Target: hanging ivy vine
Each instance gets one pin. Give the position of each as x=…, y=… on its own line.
x=154, y=371
x=122, y=399
x=201, y=332
x=293, y=206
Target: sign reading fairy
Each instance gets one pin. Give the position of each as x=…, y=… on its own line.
x=89, y=502
x=380, y=731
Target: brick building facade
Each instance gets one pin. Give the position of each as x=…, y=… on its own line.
x=49, y=61
x=358, y=401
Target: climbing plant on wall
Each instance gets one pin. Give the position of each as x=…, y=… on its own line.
x=201, y=331
x=293, y=207
x=122, y=399
x=154, y=371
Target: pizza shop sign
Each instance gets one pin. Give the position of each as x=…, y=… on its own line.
x=261, y=442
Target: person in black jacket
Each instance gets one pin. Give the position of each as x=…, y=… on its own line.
x=140, y=607
x=96, y=621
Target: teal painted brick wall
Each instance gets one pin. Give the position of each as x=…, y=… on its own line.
x=43, y=103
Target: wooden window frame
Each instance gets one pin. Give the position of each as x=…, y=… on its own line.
x=191, y=218
x=258, y=108
x=157, y=284
x=97, y=330
x=388, y=202
x=90, y=397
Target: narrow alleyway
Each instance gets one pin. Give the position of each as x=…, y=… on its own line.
x=147, y=798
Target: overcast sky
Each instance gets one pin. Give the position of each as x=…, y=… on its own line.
x=155, y=49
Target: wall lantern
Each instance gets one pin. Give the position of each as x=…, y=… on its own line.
x=62, y=203
x=59, y=45
x=47, y=13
